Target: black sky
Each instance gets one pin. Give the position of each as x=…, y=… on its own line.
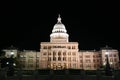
x=90, y=23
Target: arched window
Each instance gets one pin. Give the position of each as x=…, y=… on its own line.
x=54, y=53
x=59, y=58
x=59, y=53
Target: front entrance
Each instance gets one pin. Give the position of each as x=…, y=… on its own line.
x=57, y=68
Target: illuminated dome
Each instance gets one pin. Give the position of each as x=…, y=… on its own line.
x=59, y=30
x=59, y=27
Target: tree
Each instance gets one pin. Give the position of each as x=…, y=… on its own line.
x=2, y=58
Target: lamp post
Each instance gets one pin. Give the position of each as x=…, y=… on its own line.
x=107, y=67
x=36, y=60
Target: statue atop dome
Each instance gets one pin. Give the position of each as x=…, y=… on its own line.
x=59, y=19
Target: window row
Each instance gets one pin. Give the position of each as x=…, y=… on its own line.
x=111, y=59
x=89, y=61
x=60, y=53
x=61, y=59
x=111, y=55
x=69, y=47
x=89, y=56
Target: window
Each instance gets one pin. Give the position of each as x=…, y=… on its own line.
x=95, y=66
x=30, y=56
x=87, y=61
x=54, y=58
x=73, y=53
x=110, y=55
x=97, y=60
x=37, y=65
x=37, y=60
x=87, y=56
x=106, y=55
x=44, y=53
x=65, y=65
x=80, y=56
x=30, y=65
x=94, y=60
x=74, y=59
x=93, y=56
x=59, y=58
x=74, y=65
x=69, y=65
x=69, y=47
x=64, y=53
x=45, y=47
x=49, y=58
x=30, y=60
x=111, y=60
x=54, y=53
x=73, y=47
x=59, y=53
x=115, y=55
x=69, y=53
x=88, y=66
x=115, y=60
x=49, y=53
x=64, y=58
x=81, y=61
x=69, y=59
x=43, y=58
x=49, y=47
x=99, y=55
x=81, y=66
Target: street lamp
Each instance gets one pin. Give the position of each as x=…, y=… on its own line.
x=107, y=67
x=12, y=53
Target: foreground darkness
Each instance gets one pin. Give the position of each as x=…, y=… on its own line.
x=61, y=75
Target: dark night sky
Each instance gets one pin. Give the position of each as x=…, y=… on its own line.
x=26, y=24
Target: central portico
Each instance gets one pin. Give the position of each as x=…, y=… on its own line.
x=59, y=53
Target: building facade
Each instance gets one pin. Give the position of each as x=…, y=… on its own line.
x=59, y=53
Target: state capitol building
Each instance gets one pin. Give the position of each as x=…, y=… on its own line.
x=59, y=53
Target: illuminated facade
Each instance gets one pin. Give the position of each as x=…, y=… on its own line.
x=59, y=53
